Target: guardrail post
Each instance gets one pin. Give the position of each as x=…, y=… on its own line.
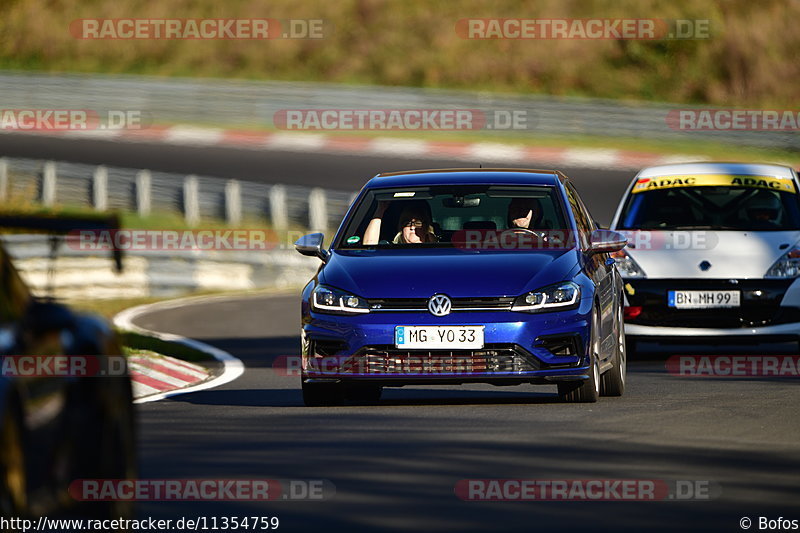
x=3, y=179
x=191, y=200
x=143, y=192
x=49, y=184
x=100, y=188
x=233, y=202
x=317, y=210
x=278, y=208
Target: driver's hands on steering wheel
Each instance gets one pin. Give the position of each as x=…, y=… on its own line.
x=539, y=235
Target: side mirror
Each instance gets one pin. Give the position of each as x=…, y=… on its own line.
x=311, y=245
x=604, y=240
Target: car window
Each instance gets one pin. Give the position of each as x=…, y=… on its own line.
x=447, y=210
x=713, y=208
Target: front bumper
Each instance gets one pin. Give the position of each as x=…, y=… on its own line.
x=768, y=308
x=518, y=348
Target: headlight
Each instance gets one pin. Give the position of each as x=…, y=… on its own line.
x=628, y=268
x=329, y=300
x=788, y=266
x=552, y=298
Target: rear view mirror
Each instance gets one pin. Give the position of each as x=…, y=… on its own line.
x=604, y=241
x=461, y=201
x=311, y=245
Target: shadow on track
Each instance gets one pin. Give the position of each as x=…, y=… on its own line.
x=392, y=397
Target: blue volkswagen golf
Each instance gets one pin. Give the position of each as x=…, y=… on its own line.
x=460, y=276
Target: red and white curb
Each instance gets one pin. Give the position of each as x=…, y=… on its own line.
x=473, y=152
x=154, y=374
x=232, y=367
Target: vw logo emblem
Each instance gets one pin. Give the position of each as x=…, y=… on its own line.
x=439, y=305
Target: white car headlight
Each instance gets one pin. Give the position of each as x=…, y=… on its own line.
x=334, y=301
x=788, y=266
x=628, y=268
x=554, y=297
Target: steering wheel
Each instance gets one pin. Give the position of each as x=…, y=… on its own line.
x=537, y=234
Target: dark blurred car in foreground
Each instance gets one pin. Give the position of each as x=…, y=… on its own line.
x=58, y=426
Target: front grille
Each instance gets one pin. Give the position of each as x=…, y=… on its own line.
x=493, y=358
x=459, y=304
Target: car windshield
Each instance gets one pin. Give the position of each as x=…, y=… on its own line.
x=437, y=216
x=715, y=208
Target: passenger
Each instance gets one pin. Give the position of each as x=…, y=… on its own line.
x=524, y=213
x=414, y=224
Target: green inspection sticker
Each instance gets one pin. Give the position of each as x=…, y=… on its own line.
x=353, y=240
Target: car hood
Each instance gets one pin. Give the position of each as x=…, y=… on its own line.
x=731, y=254
x=459, y=274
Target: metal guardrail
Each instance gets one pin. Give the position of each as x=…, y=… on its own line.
x=87, y=274
x=249, y=103
x=196, y=198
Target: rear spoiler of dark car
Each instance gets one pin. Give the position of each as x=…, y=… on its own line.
x=64, y=225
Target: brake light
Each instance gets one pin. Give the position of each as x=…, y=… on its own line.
x=632, y=312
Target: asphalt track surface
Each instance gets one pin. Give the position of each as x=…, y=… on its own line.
x=395, y=466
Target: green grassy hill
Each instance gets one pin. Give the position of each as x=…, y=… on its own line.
x=751, y=58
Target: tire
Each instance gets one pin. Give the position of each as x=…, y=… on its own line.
x=13, y=478
x=587, y=391
x=322, y=394
x=612, y=383
x=364, y=394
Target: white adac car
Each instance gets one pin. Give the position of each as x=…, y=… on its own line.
x=713, y=253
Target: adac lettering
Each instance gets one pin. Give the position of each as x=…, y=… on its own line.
x=669, y=182
x=753, y=182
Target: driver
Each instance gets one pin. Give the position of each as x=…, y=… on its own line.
x=524, y=213
x=763, y=210
x=414, y=224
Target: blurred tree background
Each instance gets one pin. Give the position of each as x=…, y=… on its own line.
x=752, y=57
